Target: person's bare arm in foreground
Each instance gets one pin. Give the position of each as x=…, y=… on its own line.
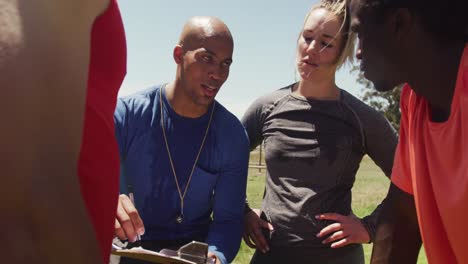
x=44, y=56
x=398, y=239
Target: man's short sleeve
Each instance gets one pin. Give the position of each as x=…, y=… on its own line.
x=401, y=172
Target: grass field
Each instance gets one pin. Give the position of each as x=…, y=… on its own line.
x=370, y=188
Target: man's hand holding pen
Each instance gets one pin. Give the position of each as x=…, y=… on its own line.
x=128, y=224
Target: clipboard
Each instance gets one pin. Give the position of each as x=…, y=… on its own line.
x=191, y=253
x=150, y=256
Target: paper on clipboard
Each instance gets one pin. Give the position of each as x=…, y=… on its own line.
x=150, y=256
x=192, y=253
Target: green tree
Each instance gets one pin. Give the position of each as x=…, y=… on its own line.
x=387, y=103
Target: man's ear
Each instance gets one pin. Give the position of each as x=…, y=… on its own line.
x=178, y=54
x=401, y=22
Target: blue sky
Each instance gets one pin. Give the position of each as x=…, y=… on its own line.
x=265, y=34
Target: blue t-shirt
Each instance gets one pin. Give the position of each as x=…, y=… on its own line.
x=214, y=203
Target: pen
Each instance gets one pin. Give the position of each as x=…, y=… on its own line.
x=132, y=198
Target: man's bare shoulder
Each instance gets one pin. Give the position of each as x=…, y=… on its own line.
x=15, y=14
x=25, y=23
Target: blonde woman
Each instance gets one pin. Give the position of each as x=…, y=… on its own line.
x=315, y=135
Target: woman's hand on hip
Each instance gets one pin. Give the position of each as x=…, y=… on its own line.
x=346, y=230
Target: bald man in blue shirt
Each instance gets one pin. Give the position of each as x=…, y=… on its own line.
x=184, y=154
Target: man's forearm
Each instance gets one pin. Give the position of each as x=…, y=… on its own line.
x=397, y=239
